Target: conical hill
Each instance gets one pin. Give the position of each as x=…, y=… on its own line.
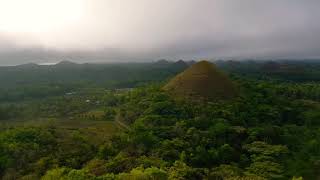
x=202, y=81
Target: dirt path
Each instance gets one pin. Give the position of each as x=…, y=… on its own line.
x=117, y=119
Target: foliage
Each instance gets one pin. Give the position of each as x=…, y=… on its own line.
x=271, y=130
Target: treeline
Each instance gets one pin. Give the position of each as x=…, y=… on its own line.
x=283, y=70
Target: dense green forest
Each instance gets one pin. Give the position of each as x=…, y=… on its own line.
x=115, y=121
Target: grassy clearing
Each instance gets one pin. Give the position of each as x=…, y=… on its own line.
x=97, y=131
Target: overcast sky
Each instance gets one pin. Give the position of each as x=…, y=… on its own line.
x=141, y=30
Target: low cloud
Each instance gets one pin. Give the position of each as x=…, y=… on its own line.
x=144, y=30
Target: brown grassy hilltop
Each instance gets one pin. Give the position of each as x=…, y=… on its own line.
x=202, y=81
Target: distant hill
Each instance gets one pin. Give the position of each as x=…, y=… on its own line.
x=180, y=65
x=271, y=66
x=202, y=80
x=191, y=62
x=283, y=67
x=162, y=62
x=28, y=65
x=66, y=64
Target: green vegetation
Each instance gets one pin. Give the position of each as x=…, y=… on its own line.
x=32, y=81
x=270, y=130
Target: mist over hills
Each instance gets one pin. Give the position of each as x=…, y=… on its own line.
x=38, y=55
x=16, y=55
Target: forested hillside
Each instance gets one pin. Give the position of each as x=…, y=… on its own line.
x=32, y=80
x=107, y=127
